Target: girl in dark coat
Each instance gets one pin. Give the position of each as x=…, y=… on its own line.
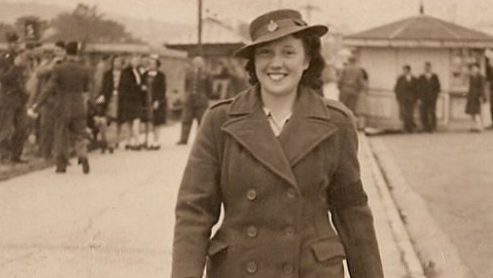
x=109, y=101
x=475, y=97
x=278, y=158
x=155, y=104
x=131, y=95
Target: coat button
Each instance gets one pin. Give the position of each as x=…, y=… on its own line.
x=251, y=267
x=289, y=231
x=291, y=193
x=251, y=194
x=288, y=268
x=252, y=231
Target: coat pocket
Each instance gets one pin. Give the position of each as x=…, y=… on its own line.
x=216, y=246
x=216, y=257
x=323, y=258
x=328, y=249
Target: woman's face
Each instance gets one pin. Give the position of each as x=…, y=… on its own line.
x=152, y=64
x=118, y=63
x=279, y=65
x=136, y=61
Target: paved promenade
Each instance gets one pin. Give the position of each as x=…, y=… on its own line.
x=118, y=221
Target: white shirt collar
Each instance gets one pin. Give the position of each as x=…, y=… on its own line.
x=276, y=124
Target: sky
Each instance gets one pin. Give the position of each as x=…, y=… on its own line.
x=357, y=15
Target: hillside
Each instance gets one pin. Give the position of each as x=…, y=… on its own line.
x=152, y=31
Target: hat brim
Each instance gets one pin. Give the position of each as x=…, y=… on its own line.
x=247, y=50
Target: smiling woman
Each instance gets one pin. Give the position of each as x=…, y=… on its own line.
x=278, y=157
x=279, y=65
x=311, y=76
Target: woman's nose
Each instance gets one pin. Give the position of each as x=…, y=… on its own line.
x=276, y=61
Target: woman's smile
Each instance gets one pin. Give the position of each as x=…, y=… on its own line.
x=277, y=76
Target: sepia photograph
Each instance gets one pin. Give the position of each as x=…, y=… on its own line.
x=246, y=139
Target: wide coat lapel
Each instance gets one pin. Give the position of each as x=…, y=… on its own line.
x=307, y=128
x=249, y=126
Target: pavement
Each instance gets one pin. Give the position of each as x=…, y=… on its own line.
x=118, y=220
x=443, y=186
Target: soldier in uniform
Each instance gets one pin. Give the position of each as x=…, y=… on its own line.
x=69, y=80
x=351, y=84
x=278, y=158
x=198, y=89
x=13, y=98
x=46, y=111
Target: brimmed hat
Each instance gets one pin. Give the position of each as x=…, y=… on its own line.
x=274, y=25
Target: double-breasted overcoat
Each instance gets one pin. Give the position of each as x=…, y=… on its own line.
x=277, y=193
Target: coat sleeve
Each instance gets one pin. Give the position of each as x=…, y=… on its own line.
x=198, y=204
x=106, y=88
x=87, y=85
x=397, y=88
x=351, y=214
x=208, y=86
x=32, y=87
x=41, y=74
x=482, y=91
x=438, y=86
x=50, y=88
x=187, y=84
x=159, y=89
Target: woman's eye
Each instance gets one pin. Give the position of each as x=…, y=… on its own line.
x=263, y=52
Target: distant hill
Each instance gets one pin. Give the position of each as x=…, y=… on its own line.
x=152, y=31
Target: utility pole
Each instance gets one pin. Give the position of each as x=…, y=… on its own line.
x=199, y=44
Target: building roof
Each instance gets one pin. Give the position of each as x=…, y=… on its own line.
x=422, y=30
x=213, y=32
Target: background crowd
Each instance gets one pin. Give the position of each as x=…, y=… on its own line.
x=415, y=95
x=39, y=89
x=127, y=96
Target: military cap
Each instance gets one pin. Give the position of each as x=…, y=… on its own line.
x=275, y=25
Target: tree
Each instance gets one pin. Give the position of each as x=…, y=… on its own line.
x=86, y=24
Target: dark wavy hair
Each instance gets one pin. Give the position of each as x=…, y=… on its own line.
x=312, y=76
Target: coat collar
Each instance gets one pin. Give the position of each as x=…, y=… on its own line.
x=308, y=126
x=307, y=105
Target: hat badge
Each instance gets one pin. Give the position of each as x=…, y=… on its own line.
x=272, y=26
